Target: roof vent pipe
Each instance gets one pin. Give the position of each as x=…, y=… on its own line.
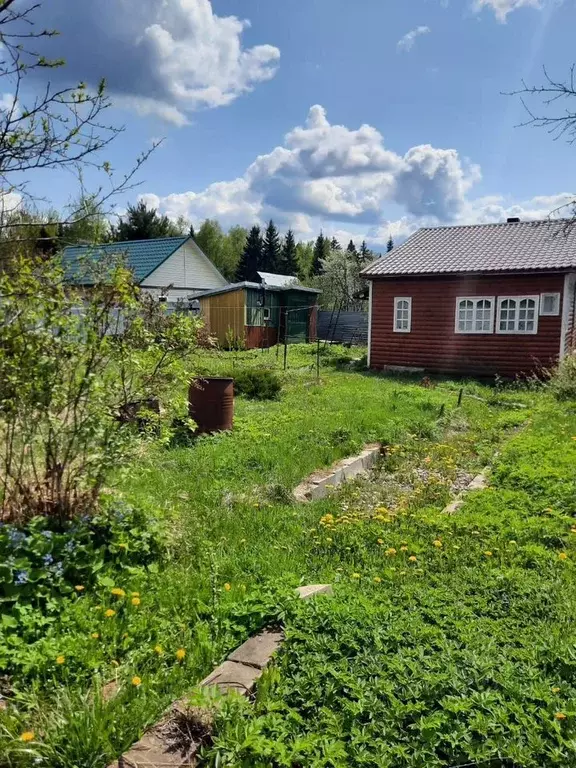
x=513, y=220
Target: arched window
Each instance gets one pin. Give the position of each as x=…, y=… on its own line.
x=518, y=314
x=475, y=314
x=402, y=314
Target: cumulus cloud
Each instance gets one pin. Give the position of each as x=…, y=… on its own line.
x=503, y=7
x=335, y=173
x=166, y=58
x=345, y=180
x=406, y=43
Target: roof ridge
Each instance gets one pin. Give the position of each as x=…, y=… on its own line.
x=495, y=224
x=131, y=242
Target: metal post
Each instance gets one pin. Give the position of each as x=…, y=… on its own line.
x=285, y=339
x=460, y=396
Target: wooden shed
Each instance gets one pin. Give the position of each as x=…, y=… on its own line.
x=482, y=299
x=260, y=315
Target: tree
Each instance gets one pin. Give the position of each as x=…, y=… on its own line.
x=251, y=257
x=351, y=250
x=191, y=232
x=335, y=245
x=89, y=228
x=304, y=259
x=340, y=281
x=272, y=250
x=233, y=246
x=289, y=261
x=210, y=239
x=321, y=251
x=58, y=128
x=390, y=244
x=365, y=256
x=143, y=223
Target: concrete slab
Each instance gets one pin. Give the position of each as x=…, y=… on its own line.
x=258, y=650
x=319, y=484
x=231, y=676
x=312, y=590
x=150, y=752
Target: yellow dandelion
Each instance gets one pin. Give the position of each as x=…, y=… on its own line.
x=562, y=556
x=60, y=659
x=136, y=681
x=556, y=690
x=437, y=543
x=79, y=588
x=27, y=736
x=135, y=601
x=159, y=650
x=380, y=541
x=94, y=635
x=427, y=460
x=377, y=579
x=180, y=654
x=413, y=559
x=390, y=552
x=560, y=716
x=488, y=553
x=134, y=594
x=227, y=587
x=572, y=530
x=118, y=592
x=403, y=549
x=355, y=576
x=109, y=613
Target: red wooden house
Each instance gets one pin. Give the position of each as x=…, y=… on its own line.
x=482, y=299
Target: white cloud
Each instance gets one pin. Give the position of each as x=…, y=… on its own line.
x=343, y=180
x=503, y=7
x=168, y=58
x=406, y=43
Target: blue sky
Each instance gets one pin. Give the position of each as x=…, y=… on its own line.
x=363, y=117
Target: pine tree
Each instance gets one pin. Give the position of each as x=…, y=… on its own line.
x=143, y=223
x=272, y=250
x=320, y=253
x=390, y=244
x=191, y=232
x=335, y=245
x=288, y=260
x=351, y=250
x=365, y=254
x=251, y=259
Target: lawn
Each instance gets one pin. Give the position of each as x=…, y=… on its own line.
x=360, y=679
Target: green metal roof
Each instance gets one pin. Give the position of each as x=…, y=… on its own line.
x=142, y=256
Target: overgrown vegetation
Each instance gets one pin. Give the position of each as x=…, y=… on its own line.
x=257, y=383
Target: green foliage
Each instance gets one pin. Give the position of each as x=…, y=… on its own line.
x=143, y=223
x=252, y=256
x=70, y=364
x=289, y=259
x=272, y=249
x=257, y=384
x=224, y=250
x=563, y=380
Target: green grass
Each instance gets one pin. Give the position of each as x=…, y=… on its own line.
x=238, y=545
x=464, y=656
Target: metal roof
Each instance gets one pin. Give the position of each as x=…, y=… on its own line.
x=277, y=281
x=142, y=256
x=256, y=286
x=511, y=247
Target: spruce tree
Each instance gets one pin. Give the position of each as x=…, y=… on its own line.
x=351, y=250
x=143, y=223
x=288, y=260
x=251, y=259
x=272, y=251
x=335, y=245
x=365, y=254
x=390, y=244
x=320, y=253
x=191, y=233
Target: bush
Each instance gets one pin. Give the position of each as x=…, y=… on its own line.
x=43, y=560
x=258, y=384
x=563, y=381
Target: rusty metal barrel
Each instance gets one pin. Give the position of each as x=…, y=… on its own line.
x=211, y=404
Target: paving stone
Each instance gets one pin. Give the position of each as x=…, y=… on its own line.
x=257, y=651
x=150, y=752
x=311, y=590
x=231, y=676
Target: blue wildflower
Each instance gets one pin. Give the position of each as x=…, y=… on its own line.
x=16, y=537
x=21, y=578
x=58, y=569
x=47, y=534
x=48, y=559
x=70, y=546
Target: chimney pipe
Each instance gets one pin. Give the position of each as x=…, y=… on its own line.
x=513, y=220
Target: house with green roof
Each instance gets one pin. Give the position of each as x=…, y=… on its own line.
x=172, y=267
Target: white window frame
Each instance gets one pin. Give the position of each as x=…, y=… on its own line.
x=474, y=300
x=397, y=300
x=266, y=314
x=543, y=297
x=516, y=332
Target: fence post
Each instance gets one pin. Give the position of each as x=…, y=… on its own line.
x=285, y=339
x=317, y=358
